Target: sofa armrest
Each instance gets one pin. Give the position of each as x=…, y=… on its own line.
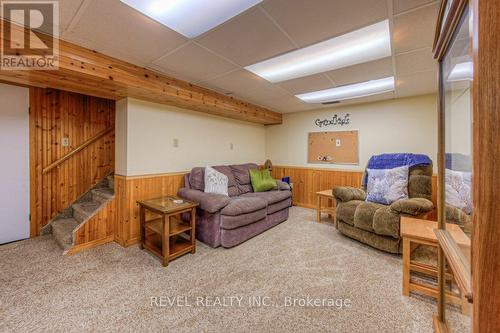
x=281, y=186
x=414, y=206
x=209, y=202
x=347, y=193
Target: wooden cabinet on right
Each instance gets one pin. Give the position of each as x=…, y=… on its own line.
x=467, y=47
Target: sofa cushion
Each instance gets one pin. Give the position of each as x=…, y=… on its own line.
x=238, y=206
x=363, y=217
x=232, y=222
x=241, y=173
x=270, y=197
x=276, y=207
x=242, y=176
x=226, y=170
x=386, y=222
x=197, y=179
x=209, y=202
x=345, y=211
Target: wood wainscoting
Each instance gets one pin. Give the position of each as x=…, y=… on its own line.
x=307, y=181
x=100, y=229
x=54, y=115
x=130, y=189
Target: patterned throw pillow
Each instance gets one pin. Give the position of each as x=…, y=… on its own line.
x=387, y=185
x=215, y=182
x=458, y=190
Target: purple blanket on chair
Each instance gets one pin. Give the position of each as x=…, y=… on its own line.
x=391, y=161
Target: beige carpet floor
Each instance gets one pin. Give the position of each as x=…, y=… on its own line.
x=110, y=288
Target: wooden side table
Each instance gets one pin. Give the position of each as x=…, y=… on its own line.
x=330, y=209
x=167, y=236
x=416, y=232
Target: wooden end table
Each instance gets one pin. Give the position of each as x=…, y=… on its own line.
x=421, y=232
x=167, y=236
x=330, y=209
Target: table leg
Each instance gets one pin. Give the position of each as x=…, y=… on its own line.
x=406, y=266
x=193, y=231
x=165, y=239
x=142, y=223
x=318, y=214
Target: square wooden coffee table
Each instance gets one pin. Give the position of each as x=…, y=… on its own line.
x=167, y=235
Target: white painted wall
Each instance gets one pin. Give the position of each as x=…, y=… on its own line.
x=14, y=172
x=398, y=125
x=148, y=140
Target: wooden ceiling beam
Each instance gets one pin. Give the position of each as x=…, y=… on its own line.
x=88, y=72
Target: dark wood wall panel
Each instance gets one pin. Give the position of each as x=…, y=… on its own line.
x=55, y=115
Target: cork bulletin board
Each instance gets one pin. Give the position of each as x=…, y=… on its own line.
x=337, y=147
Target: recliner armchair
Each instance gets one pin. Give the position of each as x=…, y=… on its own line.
x=376, y=224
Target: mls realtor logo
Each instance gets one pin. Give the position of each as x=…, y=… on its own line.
x=30, y=35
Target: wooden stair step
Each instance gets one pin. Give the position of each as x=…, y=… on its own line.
x=62, y=230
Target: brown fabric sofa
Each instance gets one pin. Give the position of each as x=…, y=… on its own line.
x=230, y=220
x=378, y=225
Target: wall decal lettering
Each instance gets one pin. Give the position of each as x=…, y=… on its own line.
x=334, y=121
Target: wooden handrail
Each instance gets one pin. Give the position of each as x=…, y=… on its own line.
x=76, y=150
x=459, y=264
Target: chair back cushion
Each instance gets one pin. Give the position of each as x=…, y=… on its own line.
x=242, y=176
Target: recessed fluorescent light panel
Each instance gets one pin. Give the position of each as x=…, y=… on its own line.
x=369, y=43
x=351, y=91
x=191, y=18
x=461, y=72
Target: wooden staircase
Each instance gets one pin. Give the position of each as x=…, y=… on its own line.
x=65, y=225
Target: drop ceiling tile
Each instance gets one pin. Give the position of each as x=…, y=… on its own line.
x=307, y=84
x=247, y=39
x=237, y=81
x=415, y=62
x=265, y=93
x=114, y=28
x=415, y=30
x=67, y=10
x=404, y=5
x=417, y=84
x=294, y=107
x=194, y=62
x=312, y=21
x=363, y=72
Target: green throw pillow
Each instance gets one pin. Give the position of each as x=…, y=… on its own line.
x=262, y=180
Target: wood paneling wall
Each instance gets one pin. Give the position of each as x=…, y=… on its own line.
x=308, y=181
x=129, y=190
x=98, y=230
x=55, y=115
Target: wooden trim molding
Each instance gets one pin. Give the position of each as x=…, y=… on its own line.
x=486, y=166
x=443, y=37
x=88, y=72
